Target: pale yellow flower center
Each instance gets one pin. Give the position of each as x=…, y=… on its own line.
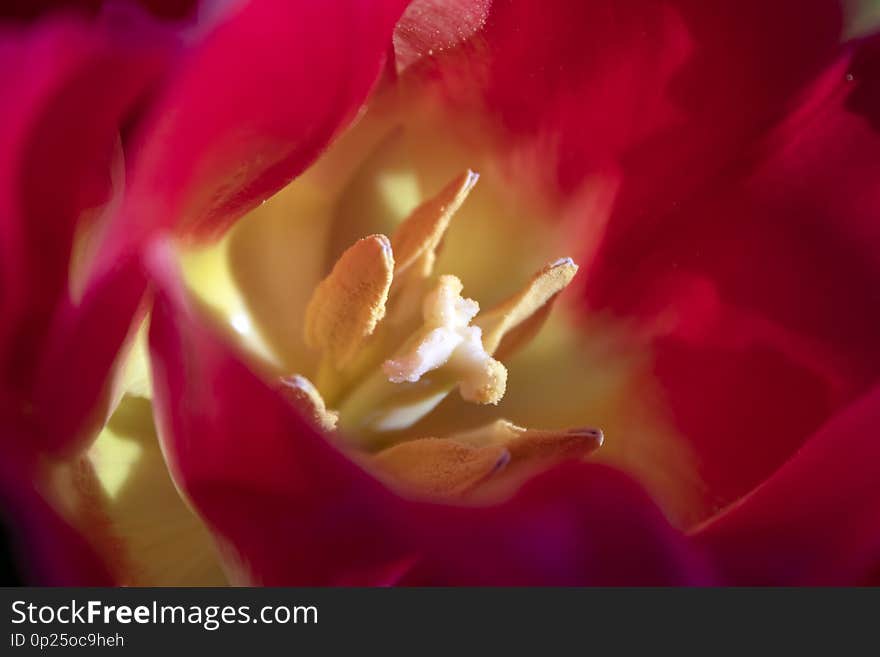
x=395, y=339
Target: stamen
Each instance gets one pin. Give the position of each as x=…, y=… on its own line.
x=529, y=449
x=347, y=305
x=447, y=338
x=485, y=461
x=416, y=240
x=448, y=347
x=523, y=443
x=518, y=319
x=437, y=467
x=300, y=391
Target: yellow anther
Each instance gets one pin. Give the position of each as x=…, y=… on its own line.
x=525, y=443
x=520, y=317
x=300, y=391
x=416, y=240
x=347, y=305
x=437, y=467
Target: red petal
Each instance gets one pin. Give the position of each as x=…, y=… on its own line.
x=70, y=88
x=284, y=502
x=757, y=291
x=815, y=520
x=667, y=90
x=253, y=105
x=73, y=373
x=575, y=525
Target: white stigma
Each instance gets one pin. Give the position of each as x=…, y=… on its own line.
x=448, y=339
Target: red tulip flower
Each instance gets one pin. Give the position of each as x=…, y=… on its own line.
x=637, y=347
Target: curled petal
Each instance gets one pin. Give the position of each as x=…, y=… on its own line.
x=74, y=86
x=241, y=119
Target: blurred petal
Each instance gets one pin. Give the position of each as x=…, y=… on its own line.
x=70, y=86
x=31, y=9
x=240, y=120
x=815, y=520
x=577, y=524
x=58, y=143
x=756, y=291
x=75, y=368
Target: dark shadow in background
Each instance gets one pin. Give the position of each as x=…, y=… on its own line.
x=9, y=575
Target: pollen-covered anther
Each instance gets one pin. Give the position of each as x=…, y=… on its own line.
x=447, y=340
x=532, y=449
x=308, y=401
x=515, y=322
x=346, y=307
x=523, y=442
x=437, y=467
x=484, y=461
x=417, y=239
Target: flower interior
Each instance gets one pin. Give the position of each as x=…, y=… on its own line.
x=395, y=338
x=418, y=320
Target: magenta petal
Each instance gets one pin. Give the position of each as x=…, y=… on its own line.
x=294, y=510
x=73, y=87
x=70, y=86
x=669, y=91
x=74, y=372
x=253, y=105
x=576, y=525
x=815, y=520
x=755, y=290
